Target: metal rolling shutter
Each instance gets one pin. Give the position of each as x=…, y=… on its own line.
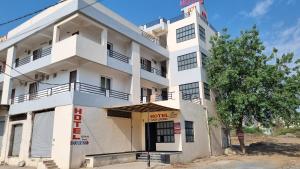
x=42, y=134
x=2, y=124
x=17, y=139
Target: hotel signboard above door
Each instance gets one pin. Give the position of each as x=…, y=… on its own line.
x=162, y=116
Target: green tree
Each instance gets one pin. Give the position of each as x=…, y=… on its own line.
x=251, y=86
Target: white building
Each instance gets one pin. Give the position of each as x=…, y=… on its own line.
x=83, y=86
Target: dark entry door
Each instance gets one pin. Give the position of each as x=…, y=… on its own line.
x=151, y=138
x=32, y=90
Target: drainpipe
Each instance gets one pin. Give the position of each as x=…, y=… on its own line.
x=208, y=129
x=148, y=136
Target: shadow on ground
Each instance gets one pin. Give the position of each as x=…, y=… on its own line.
x=269, y=148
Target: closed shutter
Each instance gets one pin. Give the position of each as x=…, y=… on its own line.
x=2, y=124
x=42, y=134
x=16, y=140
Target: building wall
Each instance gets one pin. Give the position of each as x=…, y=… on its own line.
x=105, y=135
x=200, y=146
x=91, y=73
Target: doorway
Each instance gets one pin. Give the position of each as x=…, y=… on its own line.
x=42, y=134
x=16, y=139
x=32, y=91
x=151, y=138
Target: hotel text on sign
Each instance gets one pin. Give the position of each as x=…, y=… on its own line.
x=77, y=138
x=184, y=3
x=164, y=116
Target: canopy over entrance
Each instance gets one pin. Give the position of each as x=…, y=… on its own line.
x=147, y=107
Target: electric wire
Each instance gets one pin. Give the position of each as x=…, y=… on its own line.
x=30, y=14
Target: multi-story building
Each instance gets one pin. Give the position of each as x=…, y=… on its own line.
x=83, y=86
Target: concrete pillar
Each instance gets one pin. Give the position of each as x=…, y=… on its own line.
x=7, y=81
x=56, y=34
x=104, y=37
x=135, y=88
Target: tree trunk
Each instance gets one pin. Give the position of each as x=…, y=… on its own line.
x=240, y=135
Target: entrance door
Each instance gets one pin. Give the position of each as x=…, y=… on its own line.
x=32, y=90
x=42, y=134
x=151, y=138
x=2, y=124
x=16, y=138
x=73, y=77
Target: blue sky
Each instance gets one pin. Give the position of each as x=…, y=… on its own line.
x=277, y=20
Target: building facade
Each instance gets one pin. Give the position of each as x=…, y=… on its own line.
x=81, y=84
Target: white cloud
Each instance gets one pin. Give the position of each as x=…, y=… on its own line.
x=286, y=39
x=261, y=8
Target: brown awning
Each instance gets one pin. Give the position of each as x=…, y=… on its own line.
x=147, y=107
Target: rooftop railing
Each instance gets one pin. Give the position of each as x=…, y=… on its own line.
x=118, y=56
x=155, y=22
x=80, y=87
x=179, y=17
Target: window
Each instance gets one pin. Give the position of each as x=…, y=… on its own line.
x=105, y=83
x=110, y=46
x=189, y=131
x=204, y=59
x=146, y=65
x=206, y=91
x=165, y=132
x=185, y=33
x=202, y=33
x=187, y=61
x=190, y=91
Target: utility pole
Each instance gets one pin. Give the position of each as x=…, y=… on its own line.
x=148, y=136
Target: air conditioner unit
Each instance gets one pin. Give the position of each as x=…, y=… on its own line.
x=39, y=77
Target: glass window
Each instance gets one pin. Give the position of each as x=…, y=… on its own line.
x=190, y=91
x=187, y=61
x=202, y=33
x=206, y=91
x=189, y=131
x=185, y=33
x=105, y=83
x=204, y=59
x=165, y=132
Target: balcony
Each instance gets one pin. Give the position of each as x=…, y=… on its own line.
x=154, y=75
x=156, y=98
x=80, y=87
x=118, y=61
x=37, y=54
x=81, y=46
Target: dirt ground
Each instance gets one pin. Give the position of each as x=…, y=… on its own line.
x=263, y=152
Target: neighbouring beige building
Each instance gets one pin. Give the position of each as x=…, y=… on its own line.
x=83, y=87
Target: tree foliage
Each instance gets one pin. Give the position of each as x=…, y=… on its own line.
x=250, y=85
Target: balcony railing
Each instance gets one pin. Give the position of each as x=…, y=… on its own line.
x=155, y=98
x=37, y=54
x=153, y=70
x=80, y=87
x=118, y=56
x=150, y=37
